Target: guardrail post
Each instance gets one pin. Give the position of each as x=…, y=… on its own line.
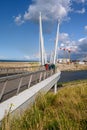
x=40, y=76
x=7, y=71
x=44, y=75
x=30, y=81
x=51, y=72
x=55, y=88
x=20, y=82
x=3, y=89
x=47, y=73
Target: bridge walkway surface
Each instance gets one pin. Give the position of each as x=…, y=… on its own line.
x=21, y=89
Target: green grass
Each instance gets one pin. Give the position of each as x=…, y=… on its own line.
x=67, y=110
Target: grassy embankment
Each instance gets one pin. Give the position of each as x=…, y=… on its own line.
x=71, y=67
x=11, y=67
x=18, y=64
x=67, y=110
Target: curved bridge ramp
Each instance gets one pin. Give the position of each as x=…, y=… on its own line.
x=21, y=100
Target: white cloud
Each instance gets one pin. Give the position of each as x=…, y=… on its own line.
x=33, y=57
x=63, y=37
x=82, y=46
x=73, y=48
x=81, y=40
x=67, y=43
x=50, y=9
x=27, y=57
x=85, y=28
x=3, y=57
x=82, y=11
x=77, y=47
x=62, y=45
x=37, y=55
x=18, y=20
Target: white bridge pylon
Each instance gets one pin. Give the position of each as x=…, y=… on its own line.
x=43, y=55
x=56, y=44
x=42, y=48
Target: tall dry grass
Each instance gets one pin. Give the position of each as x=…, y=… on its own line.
x=67, y=110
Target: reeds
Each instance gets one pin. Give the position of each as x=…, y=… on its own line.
x=67, y=110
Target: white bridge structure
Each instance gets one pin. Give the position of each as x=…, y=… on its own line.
x=21, y=89
x=42, y=48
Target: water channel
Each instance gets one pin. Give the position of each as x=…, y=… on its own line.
x=73, y=75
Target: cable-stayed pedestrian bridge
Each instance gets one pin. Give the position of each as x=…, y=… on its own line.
x=21, y=89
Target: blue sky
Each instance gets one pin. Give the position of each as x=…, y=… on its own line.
x=19, y=27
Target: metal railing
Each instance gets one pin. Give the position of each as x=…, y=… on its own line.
x=5, y=71
x=13, y=85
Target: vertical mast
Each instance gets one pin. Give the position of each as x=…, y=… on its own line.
x=42, y=49
x=56, y=44
x=41, y=41
x=45, y=56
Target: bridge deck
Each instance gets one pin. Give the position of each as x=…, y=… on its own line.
x=23, y=99
x=12, y=85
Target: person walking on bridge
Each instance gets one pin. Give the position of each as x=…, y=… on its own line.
x=46, y=66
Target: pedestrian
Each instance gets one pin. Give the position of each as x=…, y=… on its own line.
x=46, y=66
x=53, y=67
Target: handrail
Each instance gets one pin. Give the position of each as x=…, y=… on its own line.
x=5, y=71
x=19, y=75
x=26, y=98
x=22, y=67
x=12, y=85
